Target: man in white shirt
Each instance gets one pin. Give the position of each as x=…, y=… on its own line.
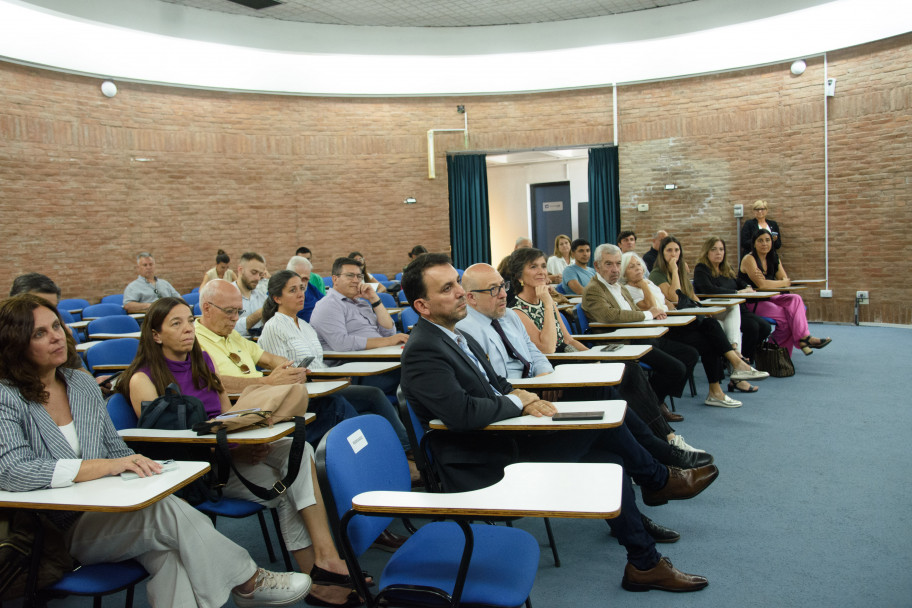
x=251, y=270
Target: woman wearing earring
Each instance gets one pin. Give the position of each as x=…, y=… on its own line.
x=762, y=270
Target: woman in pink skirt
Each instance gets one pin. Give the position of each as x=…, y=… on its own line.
x=762, y=269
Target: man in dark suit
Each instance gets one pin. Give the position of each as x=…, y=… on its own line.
x=446, y=375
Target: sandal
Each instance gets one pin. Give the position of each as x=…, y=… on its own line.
x=733, y=387
x=823, y=342
x=350, y=602
x=805, y=346
x=319, y=576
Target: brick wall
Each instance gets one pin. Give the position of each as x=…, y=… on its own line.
x=86, y=181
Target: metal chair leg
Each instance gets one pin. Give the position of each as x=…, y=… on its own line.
x=272, y=556
x=557, y=562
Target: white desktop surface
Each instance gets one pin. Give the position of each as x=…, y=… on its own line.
x=625, y=333
x=614, y=416
x=106, y=336
x=624, y=353
x=356, y=368
x=726, y=302
x=258, y=435
x=572, y=375
x=702, y=310
x=671, y=321
x=752, y=295
x=528, y=489
x=384, y=352
x=108, y=493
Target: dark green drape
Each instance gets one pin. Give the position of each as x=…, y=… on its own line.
x=470, y=234
x=604, y=196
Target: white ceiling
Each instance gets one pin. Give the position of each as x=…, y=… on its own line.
x=431, y=13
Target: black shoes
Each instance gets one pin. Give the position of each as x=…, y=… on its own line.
x=684, y=459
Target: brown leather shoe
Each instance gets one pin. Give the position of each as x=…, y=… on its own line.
x=671, y=416
x=662, y=576
x=682, y=484
x=389, y=542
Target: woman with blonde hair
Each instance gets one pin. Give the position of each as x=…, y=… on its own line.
x=560, y=259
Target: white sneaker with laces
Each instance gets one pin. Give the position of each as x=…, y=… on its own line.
x=678, y=442
x=274, y=589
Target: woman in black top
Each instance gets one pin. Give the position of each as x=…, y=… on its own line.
x=757, y=223
x=713, y=274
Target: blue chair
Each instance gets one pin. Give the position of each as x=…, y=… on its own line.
x=379, y=276
x=560, y=289
x=197, y=310
x=195, y=290
x=191, y=298
x=124, y=417
x=67, y=316
x=409, y=319
x=119, y=352
x=118, y=324
x=328, y=282
x=582, y=320
x=459, y=271
x=399, y=276
x=390, y=302
x=402, y=299
x=443, y=563
x=98, y=580
x=71, y=304
x=102, y=310
x=114, y=298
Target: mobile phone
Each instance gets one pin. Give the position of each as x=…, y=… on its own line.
x=610, y=348
x=570, y=416
x=305, y=362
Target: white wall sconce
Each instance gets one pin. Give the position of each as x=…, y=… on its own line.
x=410, y=200
x=108, y=88
x=798, y=67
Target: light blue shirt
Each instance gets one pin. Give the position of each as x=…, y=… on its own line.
x=479, y=327
x=251, y=304
x=344, y=324
x=583, y=274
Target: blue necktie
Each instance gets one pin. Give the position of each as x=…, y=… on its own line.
x=465, y=348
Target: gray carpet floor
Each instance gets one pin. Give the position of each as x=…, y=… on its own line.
x=812, y=508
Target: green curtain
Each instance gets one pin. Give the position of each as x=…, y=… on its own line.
x=604, y=196
x=470, y=234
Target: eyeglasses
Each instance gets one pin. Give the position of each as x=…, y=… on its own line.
x=760, y=208
x=351, y=275
x=494, y=290
x=236, y=359
x=230, y=311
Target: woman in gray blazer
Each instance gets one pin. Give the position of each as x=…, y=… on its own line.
x=55, y=431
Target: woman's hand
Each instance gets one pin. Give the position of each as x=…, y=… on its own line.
x=747, y=289
x=137, y=463
x=544, y=294
x=250, y=454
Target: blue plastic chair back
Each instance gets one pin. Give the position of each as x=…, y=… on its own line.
x=560, y=289
x=121, y=412
x=114, y=298
x=581, y=319
x=121, y=351
x=197, y=310
x=191, y=298
x=379, y=276
x=402, y=299
x=328, y=282
x=388, y=300
x=399, y=276
x=195, y=290
x=103, y=310
x=380, y=464
x=409, y=318
x=66, y=316
x=69, y=304
x=119, y=324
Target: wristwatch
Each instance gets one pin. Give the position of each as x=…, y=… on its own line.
x=376, y=304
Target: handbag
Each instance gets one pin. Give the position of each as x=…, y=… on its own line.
x=684, y=301
x=772, y=358
x=257, y=407
x=176, y=412
x=20, y=534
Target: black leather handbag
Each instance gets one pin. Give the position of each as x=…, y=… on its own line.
x=772, y=358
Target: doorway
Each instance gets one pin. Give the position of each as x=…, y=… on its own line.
x=550, y=213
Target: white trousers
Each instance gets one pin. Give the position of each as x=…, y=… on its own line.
x=731, y=325
x=190, y=563
x=298, y=496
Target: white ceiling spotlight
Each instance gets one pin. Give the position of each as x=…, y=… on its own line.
x=798, y=67
x=108, y=88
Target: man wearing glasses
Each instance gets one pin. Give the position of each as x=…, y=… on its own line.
x=352, y=317
x=251, y=270
x=147, y=288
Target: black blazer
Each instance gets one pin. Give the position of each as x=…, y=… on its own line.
x=750, y=227
x=441, y=381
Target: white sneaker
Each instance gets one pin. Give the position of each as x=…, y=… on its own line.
x=726, y=401
x=274, y=589
x=678, y=442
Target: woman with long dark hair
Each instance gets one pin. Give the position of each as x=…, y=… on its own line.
x=169, y=352
x=55, y=431
x=762, y=269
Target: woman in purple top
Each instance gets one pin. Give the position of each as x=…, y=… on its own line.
x=169, y=352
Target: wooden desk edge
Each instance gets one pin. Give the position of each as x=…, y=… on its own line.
x=209, y=438
x=475, y=512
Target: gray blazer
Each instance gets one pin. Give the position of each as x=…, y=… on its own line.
x=31, y=443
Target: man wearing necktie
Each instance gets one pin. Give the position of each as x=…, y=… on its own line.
x=441, y=380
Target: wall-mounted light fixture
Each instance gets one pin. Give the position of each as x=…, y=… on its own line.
x=410, y=200
x=108, y=88
x=798, y=67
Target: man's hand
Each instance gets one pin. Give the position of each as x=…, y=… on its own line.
x=287, y=374
x=658, y=313
x=367, y=292
x=397, y=339
x=534, y=405
x=250, y=454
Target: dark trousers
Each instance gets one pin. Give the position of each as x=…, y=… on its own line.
x=708, y=338
x=329, y=411
x=754, y=330
x=617, y=445
x=671, y=363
